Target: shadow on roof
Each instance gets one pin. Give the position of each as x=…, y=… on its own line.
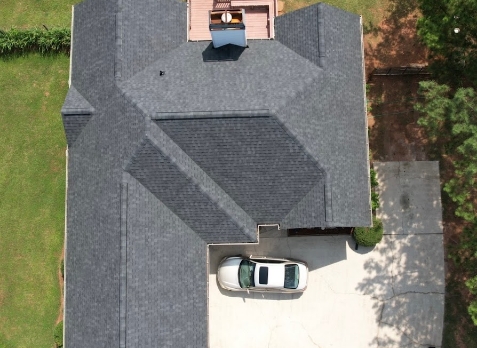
x=224, y=53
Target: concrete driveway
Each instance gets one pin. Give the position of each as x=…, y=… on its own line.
x=388, y=296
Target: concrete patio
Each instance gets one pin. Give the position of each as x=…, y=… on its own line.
x=388, y=296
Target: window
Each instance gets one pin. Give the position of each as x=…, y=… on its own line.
x=292, y=276
x=246, y=272
x=263, y=275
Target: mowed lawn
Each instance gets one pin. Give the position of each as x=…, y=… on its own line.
x=35, y=13
x=32, y=191
x=371, y=10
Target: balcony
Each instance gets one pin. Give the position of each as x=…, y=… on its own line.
x=259, y=17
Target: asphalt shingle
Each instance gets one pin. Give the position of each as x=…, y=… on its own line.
x=263, y=169
x=301, y=95
x=166, y=280
x=163, y=178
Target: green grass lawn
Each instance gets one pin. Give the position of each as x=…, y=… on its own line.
x=371, y=10
x=32, y=188
x=35, y=13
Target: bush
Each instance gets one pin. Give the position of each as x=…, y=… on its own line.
x=374, y=194
x=59, y=335
x=369, y=236
x=374, y=200
x=15, y=41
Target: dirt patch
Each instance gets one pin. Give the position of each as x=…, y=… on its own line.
x=394, y=44
x=394, y=132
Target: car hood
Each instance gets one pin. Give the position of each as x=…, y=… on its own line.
x=227, y=273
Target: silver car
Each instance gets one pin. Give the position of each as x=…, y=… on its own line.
x=264, y=274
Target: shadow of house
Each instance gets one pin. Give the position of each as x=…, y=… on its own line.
x=225, y=53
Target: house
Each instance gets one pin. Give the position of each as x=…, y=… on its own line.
x=174, y=145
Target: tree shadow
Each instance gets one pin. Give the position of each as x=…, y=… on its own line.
x=394, y=43
x=394, y=132
x=406, y=271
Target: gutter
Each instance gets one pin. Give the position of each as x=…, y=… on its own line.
x=71, y=43
x=64, y=246
x=366, y=121
x=188, y=20
x=66, y=187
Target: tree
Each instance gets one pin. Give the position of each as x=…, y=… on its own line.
x=453, y=120
x=449, y=30
x=472, y=285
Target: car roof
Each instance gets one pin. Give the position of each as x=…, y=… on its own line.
x=272, y=275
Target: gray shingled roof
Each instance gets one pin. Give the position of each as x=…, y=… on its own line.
x=159, y=166
x=76, y=112
x=254, y=159
x=162, y=309
x=183, y=196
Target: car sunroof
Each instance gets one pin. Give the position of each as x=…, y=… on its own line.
x=263, y=275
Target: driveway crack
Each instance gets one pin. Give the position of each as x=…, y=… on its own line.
x=414, y=292
x=407, y=335
x=392, y=265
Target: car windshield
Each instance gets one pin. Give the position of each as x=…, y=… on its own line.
x=246, y=271
x=292, y=275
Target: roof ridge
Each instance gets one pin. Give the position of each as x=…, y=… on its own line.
x=173, y=115
x=293, y=41
x=203, y=181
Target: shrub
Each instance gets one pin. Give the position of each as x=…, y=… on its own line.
x=15, y=41
x=59, y=335
x=374, y=194
x=369, y=236
x=374, y=200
